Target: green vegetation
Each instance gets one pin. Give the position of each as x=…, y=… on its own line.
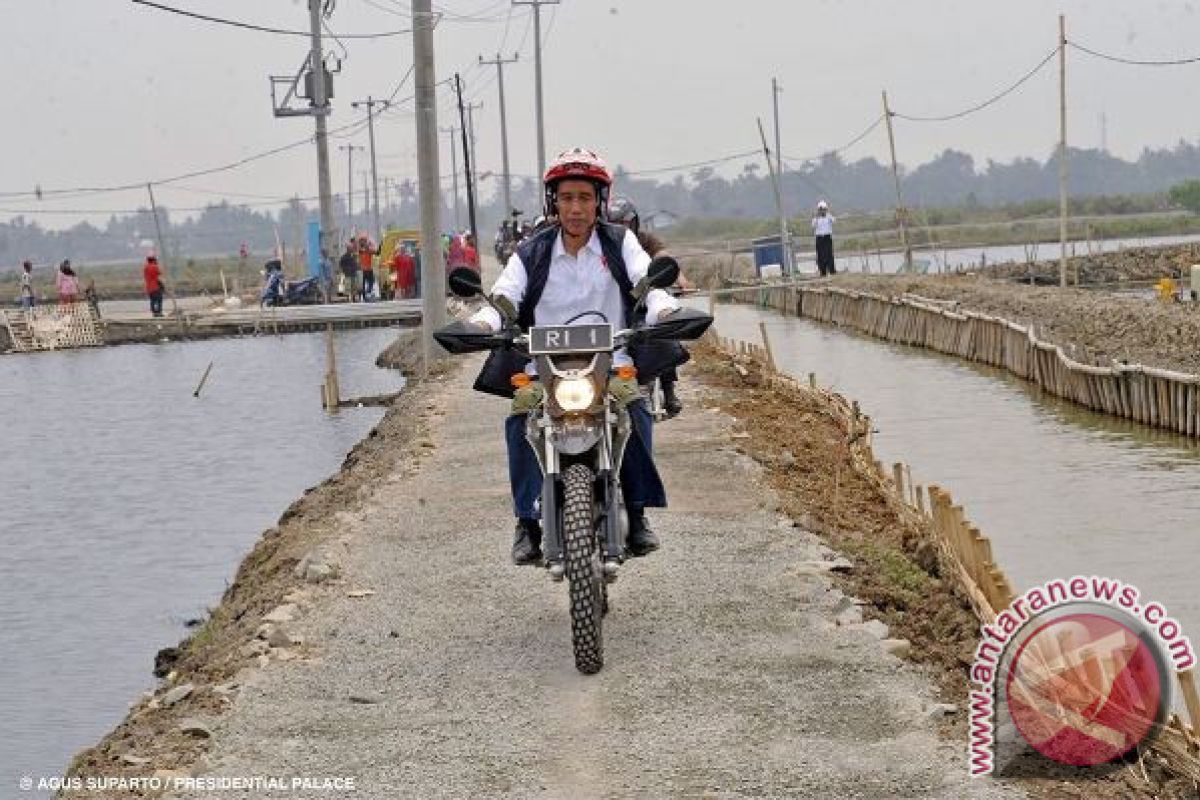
x=1187, y=195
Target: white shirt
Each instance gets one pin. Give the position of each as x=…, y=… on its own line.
x=823, y=226
x=578, y=284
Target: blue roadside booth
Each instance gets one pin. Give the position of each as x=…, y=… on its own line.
x=768, y=252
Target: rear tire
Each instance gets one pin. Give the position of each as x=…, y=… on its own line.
x=585, y=580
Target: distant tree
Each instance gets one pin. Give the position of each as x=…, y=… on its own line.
x=1187, y=194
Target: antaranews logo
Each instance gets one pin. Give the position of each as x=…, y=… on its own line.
x=1080, y=668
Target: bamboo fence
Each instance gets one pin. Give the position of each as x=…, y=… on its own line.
x=964, y=552
x=1156, y=397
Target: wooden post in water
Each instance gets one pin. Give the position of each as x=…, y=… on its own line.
x=762, y=327
x=332, y=390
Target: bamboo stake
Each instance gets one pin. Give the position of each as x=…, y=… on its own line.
x=203, y=378
x=762, y=327
x=1191, y=698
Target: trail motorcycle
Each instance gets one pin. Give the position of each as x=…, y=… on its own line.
x=578, y=429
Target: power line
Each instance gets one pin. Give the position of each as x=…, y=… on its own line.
x=846, y=146
x=90, y=190
x=709, y=162
x=980, y=106
x=1168, y=62
x=261, y=28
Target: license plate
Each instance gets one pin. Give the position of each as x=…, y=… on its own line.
x=545, y=339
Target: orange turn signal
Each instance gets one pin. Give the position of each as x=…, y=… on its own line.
x=627, y=373
x=520, y=380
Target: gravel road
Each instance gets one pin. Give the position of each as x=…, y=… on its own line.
x=725, y=675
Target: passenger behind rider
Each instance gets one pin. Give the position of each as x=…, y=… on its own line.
x=572, y=267
x=622, y=211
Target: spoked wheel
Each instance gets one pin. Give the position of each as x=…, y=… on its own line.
x=585, y=580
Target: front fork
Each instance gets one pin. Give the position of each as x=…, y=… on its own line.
x=609, y=498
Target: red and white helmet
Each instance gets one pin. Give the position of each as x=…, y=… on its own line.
x=580, y=163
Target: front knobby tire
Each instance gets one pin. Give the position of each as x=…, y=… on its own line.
x=585, y=581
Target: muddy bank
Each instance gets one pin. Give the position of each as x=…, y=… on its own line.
x=805, y=452
x=1131, y=265
x=1093, y=327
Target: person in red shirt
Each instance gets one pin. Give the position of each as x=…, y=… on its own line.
x=470, y=252
x=154, y=285
x=366, y=256
x=404, y=270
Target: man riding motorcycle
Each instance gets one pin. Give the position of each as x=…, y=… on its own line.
x=577, y=267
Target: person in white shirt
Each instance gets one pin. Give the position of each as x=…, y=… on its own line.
x=27, y=296
x=822, y=225
x=575, y=269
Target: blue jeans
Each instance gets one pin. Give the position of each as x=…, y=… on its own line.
x=640, y=482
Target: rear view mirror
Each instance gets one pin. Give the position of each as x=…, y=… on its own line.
x=464, y=282
x=662, y=272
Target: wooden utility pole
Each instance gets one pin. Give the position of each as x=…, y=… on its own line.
x=778, y=199
x=1062, y=149
x=785, y=238
x=901, y=212
x=466, y=146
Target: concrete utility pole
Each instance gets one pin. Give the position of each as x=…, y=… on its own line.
x=320, y=101
x=537, y=69
x=1062, y=149
x=785, y=237
x=901, y=212
x=507, y=187
x=433, y=270
x=451, y=132
x=366, y=176
x=349, y=148
x=370, y=103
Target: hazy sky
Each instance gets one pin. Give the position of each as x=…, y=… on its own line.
x=105, y=92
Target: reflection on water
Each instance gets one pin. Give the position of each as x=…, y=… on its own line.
x=1059, y=490
x=128, y=505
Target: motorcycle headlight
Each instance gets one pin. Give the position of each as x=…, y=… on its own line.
x=574, y=394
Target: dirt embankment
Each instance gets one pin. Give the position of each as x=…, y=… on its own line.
x=1095, y=327
x=807, y=462
x=1130, y=265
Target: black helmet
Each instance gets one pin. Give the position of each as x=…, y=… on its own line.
x=622, y=211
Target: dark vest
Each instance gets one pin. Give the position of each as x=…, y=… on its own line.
x=537, y=251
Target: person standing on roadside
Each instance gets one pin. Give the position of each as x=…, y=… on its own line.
x=348, y=264
x=822, y=225
x=366, y=260
x=152, y=275
x=27, y=297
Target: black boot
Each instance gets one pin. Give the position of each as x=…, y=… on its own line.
x=642, y=540
x=527, y=542
x=671, y=402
